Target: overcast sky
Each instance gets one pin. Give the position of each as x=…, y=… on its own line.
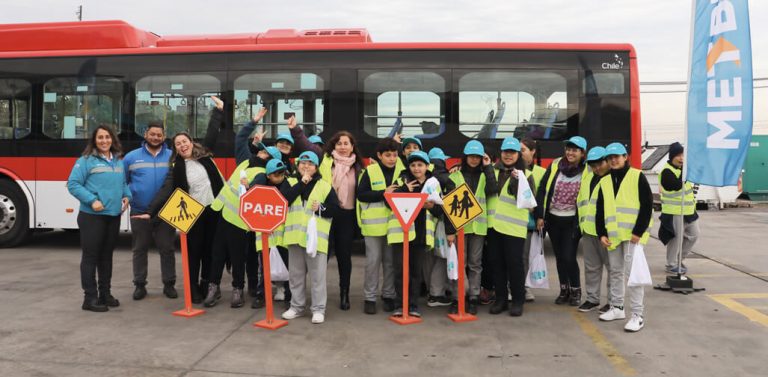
x=658, y=29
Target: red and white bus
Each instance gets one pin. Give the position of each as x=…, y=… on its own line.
x=60, y=80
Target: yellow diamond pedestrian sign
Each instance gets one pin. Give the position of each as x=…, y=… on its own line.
x=181, y=211
x=461, y=206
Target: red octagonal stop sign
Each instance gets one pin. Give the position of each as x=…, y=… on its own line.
x=263, y=208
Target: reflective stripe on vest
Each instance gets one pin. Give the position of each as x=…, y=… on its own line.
x=228, y=200
x=671, y=200
x=620, y=209
x=298, y=217
x=373, y=217
x=479, y=225
x=508, y=219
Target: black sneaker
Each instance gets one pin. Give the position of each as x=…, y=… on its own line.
x=605, y=308
x=109, y=300
x=257, y=303
x=388, y=304
x=197, y=297
x=93, y=305
x=213, y=296
x=454, y=308
x=435, y=301
x=575, y=298
x=413, y=311
x=397, y=312
x=169, y=291
x=237, y=298
x=516, y=309
x=140, y=292
x=498, y=307
x=564, y=296
x=472, y=307
x=588, y=306
x=369, y=307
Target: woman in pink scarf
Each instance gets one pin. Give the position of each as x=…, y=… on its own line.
x=340, y=165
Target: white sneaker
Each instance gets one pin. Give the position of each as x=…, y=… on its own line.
x=291, y=314
x=280, y=294
x=318, y=317
x=613, y=314
x=635, y=323
x=529, y=297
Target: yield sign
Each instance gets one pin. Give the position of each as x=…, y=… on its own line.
x=405, y=205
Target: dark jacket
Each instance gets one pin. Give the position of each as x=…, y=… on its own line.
x=290, y=193
x=472, y=177
x=443, y=176
x=331, y=203
x=505, y=173
x=364, y=192
x=420, y=224
x=646, y=203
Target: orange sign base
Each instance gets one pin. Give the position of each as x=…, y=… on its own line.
x=188, y=313
x=271, y=325
x=409, y=320
x=465, y=317
x=188, y=310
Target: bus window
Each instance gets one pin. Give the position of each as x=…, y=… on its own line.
x=408, y=103
x=73, y=107
x=14, y=109
x=300, y=93
x=179, y=102
x=498, y=104
x=602, y=83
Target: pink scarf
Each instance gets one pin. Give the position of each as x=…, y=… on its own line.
x=344, y=179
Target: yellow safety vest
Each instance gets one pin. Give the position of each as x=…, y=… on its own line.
x=479, y=225
x=298, y=217
x=551, y=179
x=395, y=230
x=507, y=218
x=670, y=200
x=538, y=174
x=326, y=168
x=587, y=204
x=276, y=237
x=228, y=200
x=373, y=217
x=620, y=210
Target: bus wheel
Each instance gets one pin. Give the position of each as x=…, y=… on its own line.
x=14, y=215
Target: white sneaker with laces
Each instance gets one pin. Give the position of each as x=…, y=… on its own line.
x=291, y=314
x=280, y=294
x=613, y=314
x=318, y=317
x=529, y=297
x=635, y=323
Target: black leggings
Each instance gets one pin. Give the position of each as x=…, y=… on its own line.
x=200, y=246
x=564, y=234
x=98, y=236
x=231, y=242
x=342, y=234
x=506, y=257
x=415, y=267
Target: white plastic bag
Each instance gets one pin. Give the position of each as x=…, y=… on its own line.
x=640, y=274
x=312, y=236
x=525, y=198
x=452, y=264
x=433, y=189
x=441, y=240
x=277, y=269
x=537, y=266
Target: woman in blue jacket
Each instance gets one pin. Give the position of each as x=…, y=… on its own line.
x=97, y=180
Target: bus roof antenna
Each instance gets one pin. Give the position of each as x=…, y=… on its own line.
x=79, y=13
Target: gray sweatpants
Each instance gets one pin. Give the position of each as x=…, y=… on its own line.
x=435, y=273
x=473, y=261
x=144, y=231
x=620, y=262
x=299, y=265
x=378, y=253
x=595, y=257
x=690, y=234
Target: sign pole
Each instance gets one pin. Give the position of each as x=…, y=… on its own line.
x=188, y=311
x=270, y=322
x=406, y=319
x=461, y=316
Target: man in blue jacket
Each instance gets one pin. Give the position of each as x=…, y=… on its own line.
x=145, y=171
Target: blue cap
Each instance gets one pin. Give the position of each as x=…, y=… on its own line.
x=275, y=165
x=314, y=139
x=409, y=140
x=437, y=154
x=474, y=147
x=309, y=156
x=418, y=155
x=615, y=149
x=578, y=141
x=596, y=154
x=274, y=153
x=286, y=137
x=510, y=144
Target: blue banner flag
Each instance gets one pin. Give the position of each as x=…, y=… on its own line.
x=720, y=92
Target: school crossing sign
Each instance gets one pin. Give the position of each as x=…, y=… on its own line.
x=181, y=211
x=461, y=206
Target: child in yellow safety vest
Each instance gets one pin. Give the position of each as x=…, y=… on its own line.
x=318, y=200
x=623, y=218
x=421, y=235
